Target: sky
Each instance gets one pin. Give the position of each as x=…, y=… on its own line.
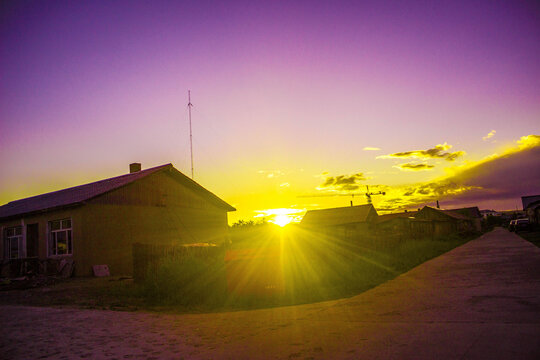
x=297, y=105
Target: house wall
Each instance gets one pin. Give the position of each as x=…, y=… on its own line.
x=154, y=210
x=533, y=213
x=43, y=222
x=441, y=223
x=477, y=224
x=444, y=227
x=397, y=225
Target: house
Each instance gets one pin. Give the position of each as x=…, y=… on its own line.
x=444, y=222
x=486, y=213
x=396, y=224
x=471, y=212
x=343, y=221
x=98, y=223
x=531, y=205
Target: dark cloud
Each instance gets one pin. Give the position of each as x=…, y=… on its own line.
x=501, y=181
x=438, y=152
x=506, y=177
x=414, y=167
x=343, y=182
x=498, y=182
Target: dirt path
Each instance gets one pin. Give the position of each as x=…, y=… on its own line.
x=479, y=301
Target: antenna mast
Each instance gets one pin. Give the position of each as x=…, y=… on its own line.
x=190, y=105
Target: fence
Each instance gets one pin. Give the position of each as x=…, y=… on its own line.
x=148, y=256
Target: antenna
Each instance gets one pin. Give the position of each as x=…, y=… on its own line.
x=367, y=194
x=190, y=105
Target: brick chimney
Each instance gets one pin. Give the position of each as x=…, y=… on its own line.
x=134, y=167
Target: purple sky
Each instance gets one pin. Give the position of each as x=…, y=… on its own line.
x=293, y=90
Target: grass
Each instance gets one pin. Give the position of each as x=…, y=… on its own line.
x=86, y=293
x=313, y=268
x=531, y=236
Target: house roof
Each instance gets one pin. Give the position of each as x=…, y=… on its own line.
x=338, y=216
x=388, y=217
x=527, y=200
x=79, y=194
x=450, y=213
x=533, y=205
x=470, y=212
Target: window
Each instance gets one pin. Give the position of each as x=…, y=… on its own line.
x=60, y=237
x=12, y=242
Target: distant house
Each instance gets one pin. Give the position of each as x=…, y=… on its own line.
x=98, y=223
x=471, y=212
x=445, y=222
x=397, y=223
x=531, y=205
x=343, y=221
x=486, y=213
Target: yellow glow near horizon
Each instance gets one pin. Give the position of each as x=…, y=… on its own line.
x=282, y=220
x=281, y=216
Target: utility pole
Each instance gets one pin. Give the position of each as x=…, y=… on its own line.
x=190, y=105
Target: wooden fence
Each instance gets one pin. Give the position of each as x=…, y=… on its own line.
x=148, y=256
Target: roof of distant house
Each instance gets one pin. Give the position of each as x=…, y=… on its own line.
x=402, y=215
x=450, y=213
x=79, y=194
x=533, y=205
x=471, y=212
x=528, y=200
x=338, y=216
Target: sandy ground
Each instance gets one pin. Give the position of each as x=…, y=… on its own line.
x=479, y=301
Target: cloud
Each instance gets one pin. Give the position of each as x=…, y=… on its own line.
x=497, y=181
x=271, y=173
x=414, y=167
x=285, y=184
x=342, y=182
x=437, y=152
x=489, y=135
x=369, y=148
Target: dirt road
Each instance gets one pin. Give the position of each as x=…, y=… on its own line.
x=479, y=301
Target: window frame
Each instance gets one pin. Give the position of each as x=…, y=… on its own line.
x=8, y=239
x=53, y=235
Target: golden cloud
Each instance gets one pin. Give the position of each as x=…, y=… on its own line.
x=342, y=182
x=414, y=167
x=489, y=135
x=437, y=152
x=513, y=173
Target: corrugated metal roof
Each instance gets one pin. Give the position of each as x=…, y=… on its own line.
x=78, y=194
x=338, y=216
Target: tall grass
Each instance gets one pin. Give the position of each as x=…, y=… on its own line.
x=194, y=281
x=314, y=268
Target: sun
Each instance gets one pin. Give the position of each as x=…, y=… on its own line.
x=282, y=220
